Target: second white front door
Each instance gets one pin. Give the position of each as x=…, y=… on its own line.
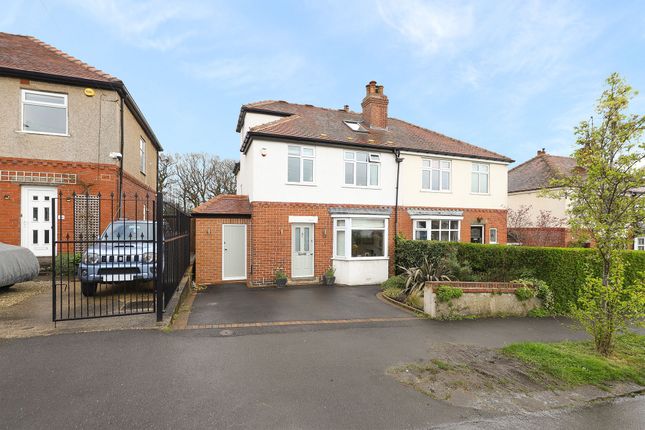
x=302, y=250
x=233, y=252
x=36, y=219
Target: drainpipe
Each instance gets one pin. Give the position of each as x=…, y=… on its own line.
x=398, y=159
x=121, y=162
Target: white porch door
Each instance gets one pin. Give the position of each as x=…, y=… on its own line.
x=233, y=252
x=302, y=246
x=36, y=216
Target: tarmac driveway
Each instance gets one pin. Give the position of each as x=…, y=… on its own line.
x=230, y=304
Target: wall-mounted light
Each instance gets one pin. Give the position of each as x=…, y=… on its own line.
x=7, y=197
x=263, y=152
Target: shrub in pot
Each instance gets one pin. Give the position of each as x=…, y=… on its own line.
x=329, y=276
x=280, y=278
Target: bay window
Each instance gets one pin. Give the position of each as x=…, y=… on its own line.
x=362, y=169
x=435, y=175
x=437, y=229
x=300, y=164
x=357, y=237
x=479, y=178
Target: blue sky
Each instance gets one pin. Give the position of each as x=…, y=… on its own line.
x=511, y=76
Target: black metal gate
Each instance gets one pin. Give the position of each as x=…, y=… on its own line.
x=111, y=256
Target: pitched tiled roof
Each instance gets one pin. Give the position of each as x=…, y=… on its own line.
x=224, y=205
x=326, y=125
x=28, y=54
x=537, y=172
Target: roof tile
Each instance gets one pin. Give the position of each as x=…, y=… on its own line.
x=225, y=204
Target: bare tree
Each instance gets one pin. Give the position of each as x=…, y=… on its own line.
x=523, y=229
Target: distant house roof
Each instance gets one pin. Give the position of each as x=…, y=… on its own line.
x=537, y=172
x=327, y=126
x=30, y=58
x=224, y=205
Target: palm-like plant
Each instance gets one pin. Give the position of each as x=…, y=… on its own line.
x=416, y=277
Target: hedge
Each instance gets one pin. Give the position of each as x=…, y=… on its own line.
x=563, y=269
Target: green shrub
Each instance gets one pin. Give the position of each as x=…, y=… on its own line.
x=542, y=292
x=415, y=300
x=66, y=263
x=524, y=293
x=563, y=269
x=445, y=293
x=397, y=281
x=394, y=293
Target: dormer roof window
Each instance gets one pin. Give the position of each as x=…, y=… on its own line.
x=355, y=126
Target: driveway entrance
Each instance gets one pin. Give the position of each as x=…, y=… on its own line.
x=231, y=304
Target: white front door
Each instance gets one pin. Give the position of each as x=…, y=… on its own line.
x=302, y=247
x=36, y=219
x=233, y=252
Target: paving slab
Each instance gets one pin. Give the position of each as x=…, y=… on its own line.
x=224, y=304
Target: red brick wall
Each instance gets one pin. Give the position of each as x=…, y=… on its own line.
x=91, y=178
x=543, y=236
x=208, y=247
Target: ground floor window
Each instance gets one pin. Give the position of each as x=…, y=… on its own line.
x=356, y=237
x=437, y=229
x=639, y=244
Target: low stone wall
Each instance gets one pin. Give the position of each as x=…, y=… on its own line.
x=479, y=299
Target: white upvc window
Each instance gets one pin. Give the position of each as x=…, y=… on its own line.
x=480, y=178
x=142, y=155
x=44, y=113
x=362, y=169
x=360, y=237
x=437, y=229
x=492, y=235
x=639, y=244
x=436, y=175
x=300, y=164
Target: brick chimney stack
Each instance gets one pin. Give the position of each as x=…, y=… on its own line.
x=541, y=151
x=375, y=106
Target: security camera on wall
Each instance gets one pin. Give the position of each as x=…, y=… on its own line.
x=116, y=155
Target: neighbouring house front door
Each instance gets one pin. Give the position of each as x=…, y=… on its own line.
x=36, y=219
x=233, y=252
x=476, y=234
x=302, y=246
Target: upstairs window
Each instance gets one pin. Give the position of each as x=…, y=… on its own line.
x=435, y=175
x=479, y=178
x=142, y=155
x=300, y=164
x=44, y=112
x=362, y=169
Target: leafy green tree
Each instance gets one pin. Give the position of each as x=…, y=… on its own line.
x=609, y=157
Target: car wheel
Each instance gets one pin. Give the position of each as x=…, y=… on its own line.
x=88, y=289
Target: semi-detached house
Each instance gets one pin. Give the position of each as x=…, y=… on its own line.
x=323, y=187
x=66, y=127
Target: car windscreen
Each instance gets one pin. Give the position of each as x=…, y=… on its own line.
x=128, y=231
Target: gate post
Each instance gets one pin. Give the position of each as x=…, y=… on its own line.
x=54, y=216
x=159, y=258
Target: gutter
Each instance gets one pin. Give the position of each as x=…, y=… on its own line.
x=253, y=134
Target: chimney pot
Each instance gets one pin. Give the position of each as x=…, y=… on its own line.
x=541, y=151
x=346, y=108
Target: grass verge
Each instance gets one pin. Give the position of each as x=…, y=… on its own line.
x=576, y=363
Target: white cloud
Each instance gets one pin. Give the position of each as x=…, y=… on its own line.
x=147, y=24
x=428, y=26
x=250, y=72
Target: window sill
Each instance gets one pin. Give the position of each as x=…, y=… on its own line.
x=42, y=133
x=359, y=187
x=350, y=259
x=479, y=194
x=301, y=184
x=436, y=191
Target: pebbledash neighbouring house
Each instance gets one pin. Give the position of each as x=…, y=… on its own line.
x=321, y=187
x=65, y=127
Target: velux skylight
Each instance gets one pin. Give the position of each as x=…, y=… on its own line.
x=355, y=125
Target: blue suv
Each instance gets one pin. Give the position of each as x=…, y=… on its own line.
x=125, y=252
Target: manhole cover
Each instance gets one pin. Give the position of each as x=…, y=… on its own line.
x=226, y=332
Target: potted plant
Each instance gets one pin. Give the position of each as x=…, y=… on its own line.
x=280, y=278
x=328, y=276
